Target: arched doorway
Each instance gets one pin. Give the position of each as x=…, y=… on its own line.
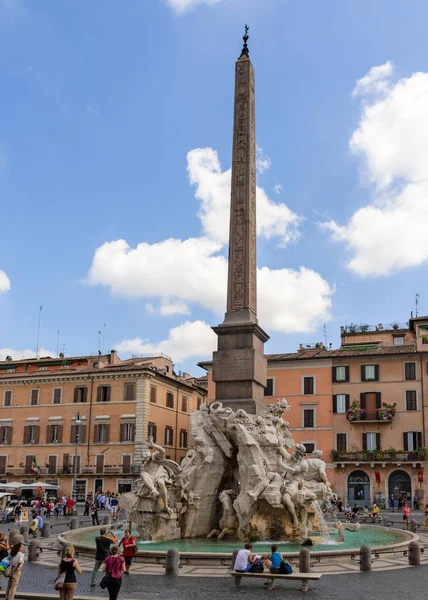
x=358, y=488
x=400, y=485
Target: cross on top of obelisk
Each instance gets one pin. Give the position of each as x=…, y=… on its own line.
x=245, y=51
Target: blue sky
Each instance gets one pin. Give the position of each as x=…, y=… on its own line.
x=116, y=124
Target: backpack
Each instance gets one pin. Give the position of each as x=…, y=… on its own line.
x=5, y=566
x=258, y=566
x=285, y=568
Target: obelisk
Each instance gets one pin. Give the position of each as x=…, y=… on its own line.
x=239, y=364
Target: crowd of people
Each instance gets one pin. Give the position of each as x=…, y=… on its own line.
x=101, y=501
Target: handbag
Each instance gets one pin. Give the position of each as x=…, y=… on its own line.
x=59, y=581
x=106, y=579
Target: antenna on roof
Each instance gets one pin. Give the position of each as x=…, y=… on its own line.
x=99, y=342
x=326, y=333
x=417, y=304
x=102, y=343
x=57, y=343
x=38, y=331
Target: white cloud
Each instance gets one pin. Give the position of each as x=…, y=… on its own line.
x=192, y=271
x=375, y=82
x=278, y=188
x=27, y=353
x=182, y=6
x=213, y=190
x=263, y=162
x=191, y=339
x=168, y=309
x=4, y=282
x=389, y=234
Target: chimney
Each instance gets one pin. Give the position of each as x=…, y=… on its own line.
x=300, y=346
x=8, y=358
x=411, y=314
x=342, y=331
x=322, y=345
x=61, y=354
x=114, y=359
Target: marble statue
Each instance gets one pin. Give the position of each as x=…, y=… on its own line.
x=244, y=476
x=156, y=472
x=229, y=521
x=341, y=529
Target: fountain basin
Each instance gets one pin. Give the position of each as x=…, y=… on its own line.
x=378, y=538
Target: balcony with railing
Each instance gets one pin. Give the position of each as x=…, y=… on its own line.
x=369, y=416
x=382, y=456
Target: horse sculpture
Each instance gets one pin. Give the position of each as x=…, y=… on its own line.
x=228, y=523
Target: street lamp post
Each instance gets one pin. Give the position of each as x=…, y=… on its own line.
x=77, y=423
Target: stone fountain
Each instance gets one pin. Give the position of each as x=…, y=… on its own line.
x=240, y=479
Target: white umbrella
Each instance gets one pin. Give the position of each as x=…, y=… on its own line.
x=40, y=484
x=12, y=485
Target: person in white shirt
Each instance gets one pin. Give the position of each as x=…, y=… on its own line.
x=244, y=560
x=17, y=555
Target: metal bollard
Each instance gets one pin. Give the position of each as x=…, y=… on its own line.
x=414, y=554
x=365, y=558
x=304, y=566
x=46, y=530
x=24, y=532
x=73, y=523
x=172, y=563
x=107, y=520
x=33, y=551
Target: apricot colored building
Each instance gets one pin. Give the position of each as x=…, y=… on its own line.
x=119, y=403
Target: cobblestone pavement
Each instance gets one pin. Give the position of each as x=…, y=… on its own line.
x=402, y=584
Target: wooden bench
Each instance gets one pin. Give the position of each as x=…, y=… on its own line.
x=270, y=577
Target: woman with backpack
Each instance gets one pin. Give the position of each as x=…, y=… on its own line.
x=114, y=567
x=275, y=562
x=15, y=570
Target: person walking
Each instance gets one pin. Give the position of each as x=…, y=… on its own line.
x=114, y=565
x=87, y=506
x=406, y=515
x=70, y=567
x=129, y=546
x=18, y=512
x=415, y=502
x=102, y=544
x=69, y=505
x=17, y=556
x=114, y=507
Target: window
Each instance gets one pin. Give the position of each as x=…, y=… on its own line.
x=412, y=440
x=102, y=433
x=81, y=393
x=308, y=385
x=43, y=369
x=169, y=436
x=269, y=387
x=31, y=436
x=340, y=374
x=130, y=390
x=99, y=463
x=410, y=371
x=184, y=403
x=199, y=403
x=308, y=417
x=126, y=463
x=3, y=465
x=371, y=441
x=56, y=395
x=103, y=393
x=411, y=400
x=127, y=432
x=152, y=430
x=169, y=400
x=310, y=447
x=52, y=464
x=29, y=463
x=398, y=340
x=166, y=369
x=5, y=435
x=340, y=403
x=183, y=438
x=7, y=398
x=369, y=372
x=10, y=371
x=34, y=397
x=341, y=442
x=54, y=431
x=153, y=394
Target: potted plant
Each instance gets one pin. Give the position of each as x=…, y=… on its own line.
x=424, y=337
x=387, y=412
x=355, y=412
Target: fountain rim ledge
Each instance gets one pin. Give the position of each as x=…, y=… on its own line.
x=411, y=537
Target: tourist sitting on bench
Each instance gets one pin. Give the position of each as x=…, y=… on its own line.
x=274, y=559
x=244, y=561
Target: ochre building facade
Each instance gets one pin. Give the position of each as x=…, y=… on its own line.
x=118, y=403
